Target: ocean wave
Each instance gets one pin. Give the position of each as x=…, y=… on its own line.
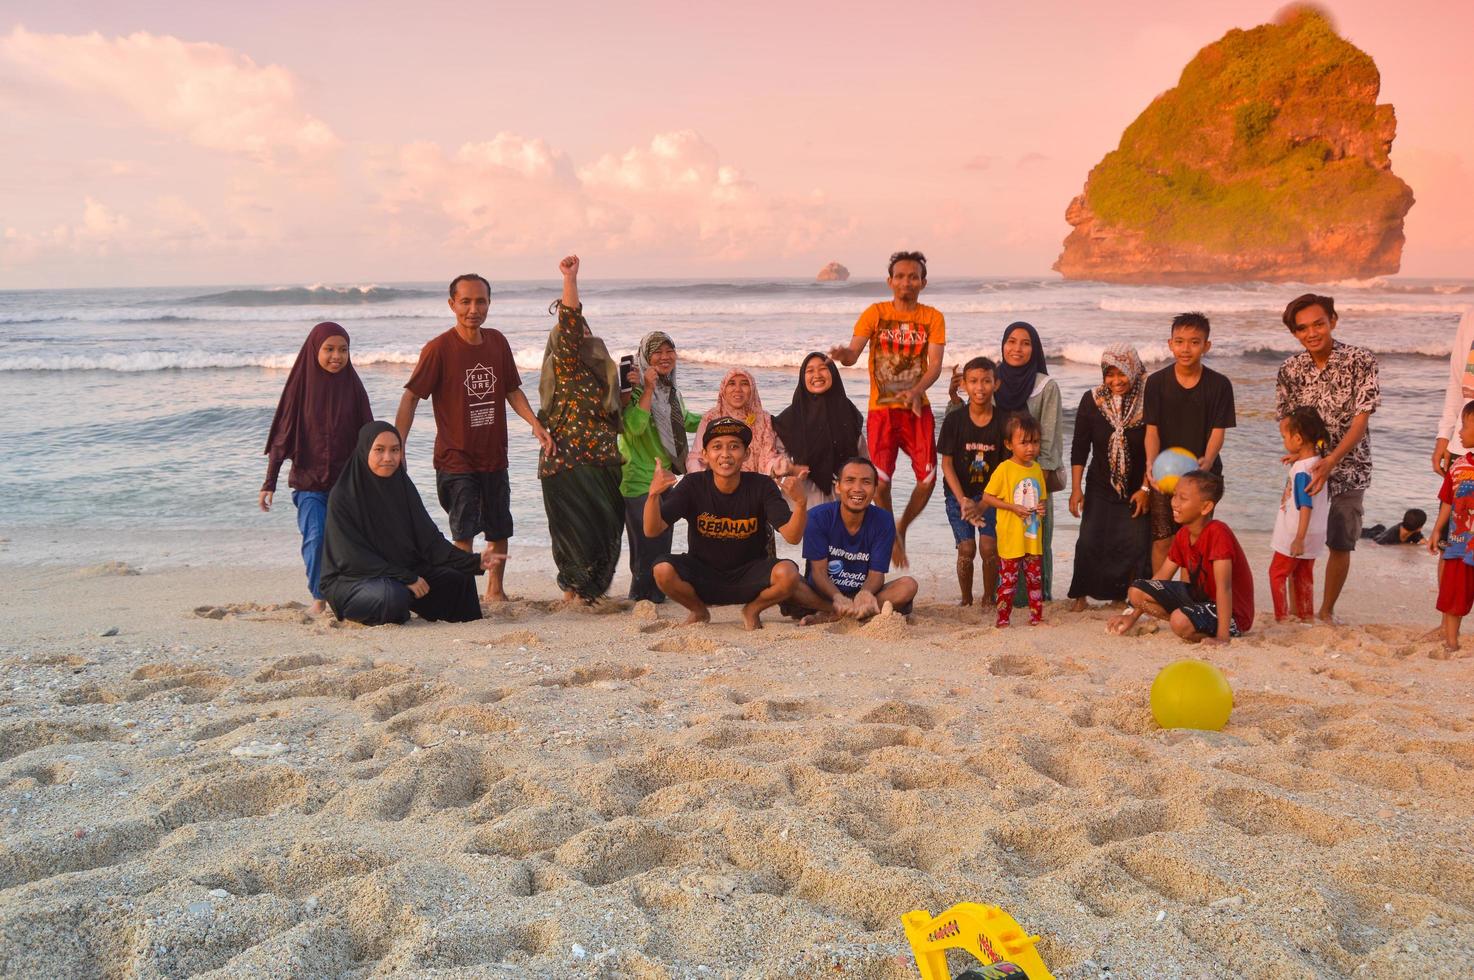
x=315, y=295
x=1268, y=305
x=144, y=361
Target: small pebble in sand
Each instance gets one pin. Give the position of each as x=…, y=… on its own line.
x=258, y=750
x=219, y=893
x=110, y=631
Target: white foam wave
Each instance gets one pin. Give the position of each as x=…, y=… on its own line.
x=1268, y=305
x=141, y=361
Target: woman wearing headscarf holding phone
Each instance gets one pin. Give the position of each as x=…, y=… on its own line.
x=382, y=556
x=1115, y=543
x=656, y=426
x=322, y=407
x=1024, y=385
x=579, y=405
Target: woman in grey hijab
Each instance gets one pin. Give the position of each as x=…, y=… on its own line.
x=655, y=426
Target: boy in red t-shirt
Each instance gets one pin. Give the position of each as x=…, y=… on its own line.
x=1216, y=573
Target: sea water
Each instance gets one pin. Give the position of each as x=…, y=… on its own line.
x=135, y=418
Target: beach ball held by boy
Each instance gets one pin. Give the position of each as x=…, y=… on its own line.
x=1171, y=464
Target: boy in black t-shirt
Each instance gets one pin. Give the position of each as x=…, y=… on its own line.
x=1188, y=406
x=728, y=514
x=970, y=446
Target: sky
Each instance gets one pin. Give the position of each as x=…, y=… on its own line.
x=275, y=142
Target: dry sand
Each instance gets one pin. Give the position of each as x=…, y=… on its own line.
x=560, y=793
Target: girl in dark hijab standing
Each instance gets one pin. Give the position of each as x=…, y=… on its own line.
x=822, y=428
x=1024, y=385
x=316, y=425
x=382, y=555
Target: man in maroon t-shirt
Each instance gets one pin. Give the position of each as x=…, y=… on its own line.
x=1218, y=574
x=470, y=378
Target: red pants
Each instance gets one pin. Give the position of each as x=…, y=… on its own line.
x=1455, y=587
x=1299, y=574
x=1008, y=569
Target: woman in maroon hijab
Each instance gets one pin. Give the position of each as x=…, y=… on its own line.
x=316, y=426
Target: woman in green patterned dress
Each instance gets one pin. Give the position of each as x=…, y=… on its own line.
x=580, y=407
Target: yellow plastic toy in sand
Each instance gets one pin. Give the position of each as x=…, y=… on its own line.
x=985, y=931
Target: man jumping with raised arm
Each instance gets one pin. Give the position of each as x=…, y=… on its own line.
x=907, y=340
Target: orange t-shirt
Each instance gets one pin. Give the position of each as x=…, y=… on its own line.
x=898, y=343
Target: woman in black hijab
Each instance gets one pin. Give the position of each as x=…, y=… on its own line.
x=822, y=428
x=1024, y=385
x=383, y=557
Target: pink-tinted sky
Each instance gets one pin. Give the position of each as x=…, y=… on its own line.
x=351, y=142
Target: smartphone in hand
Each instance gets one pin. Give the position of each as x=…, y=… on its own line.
x=626, y=365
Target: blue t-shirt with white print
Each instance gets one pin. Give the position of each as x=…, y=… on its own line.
x=848, y=557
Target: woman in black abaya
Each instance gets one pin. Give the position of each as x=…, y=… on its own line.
x=383, y=557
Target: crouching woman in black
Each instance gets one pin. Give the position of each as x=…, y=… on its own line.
x=382, y=556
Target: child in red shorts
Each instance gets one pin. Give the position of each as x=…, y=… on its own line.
x=1456, y=510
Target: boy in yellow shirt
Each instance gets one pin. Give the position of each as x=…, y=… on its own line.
x=1016, y=489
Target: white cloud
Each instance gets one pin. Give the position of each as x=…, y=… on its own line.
x=212, y=96
x=674, y=196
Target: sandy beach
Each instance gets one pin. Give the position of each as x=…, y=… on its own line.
x=220, y=788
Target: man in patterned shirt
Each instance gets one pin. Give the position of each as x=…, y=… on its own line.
x=1340, y=382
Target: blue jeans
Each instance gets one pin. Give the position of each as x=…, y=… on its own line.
x=312, y=516
x=966, y=530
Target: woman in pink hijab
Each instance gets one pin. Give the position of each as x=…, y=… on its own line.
x=738, y=398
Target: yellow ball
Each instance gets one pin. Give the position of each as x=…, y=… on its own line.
x=1191, y=694
x=1171, y=464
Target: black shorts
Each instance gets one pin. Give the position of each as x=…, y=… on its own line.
x=478, y=503
x=1173, y=595
x=716, y=587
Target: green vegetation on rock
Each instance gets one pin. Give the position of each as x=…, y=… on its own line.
x=1272, y=140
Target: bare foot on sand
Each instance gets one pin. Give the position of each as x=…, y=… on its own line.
x=319, y=607
x=965, y=601
x=814, y=619
x=1328, y=618
x=495, y=598
x=699, y=617
x=751, y=618
x=898, y=553
x=1078, y=605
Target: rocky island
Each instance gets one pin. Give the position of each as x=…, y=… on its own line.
x=1269, y=161
x=833, y=272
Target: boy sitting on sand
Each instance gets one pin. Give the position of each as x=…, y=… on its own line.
x=1217, y=573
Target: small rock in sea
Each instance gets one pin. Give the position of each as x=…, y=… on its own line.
x=110, y=631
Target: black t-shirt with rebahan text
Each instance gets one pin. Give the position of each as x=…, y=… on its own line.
x=726, y=530
x=1186, y=417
